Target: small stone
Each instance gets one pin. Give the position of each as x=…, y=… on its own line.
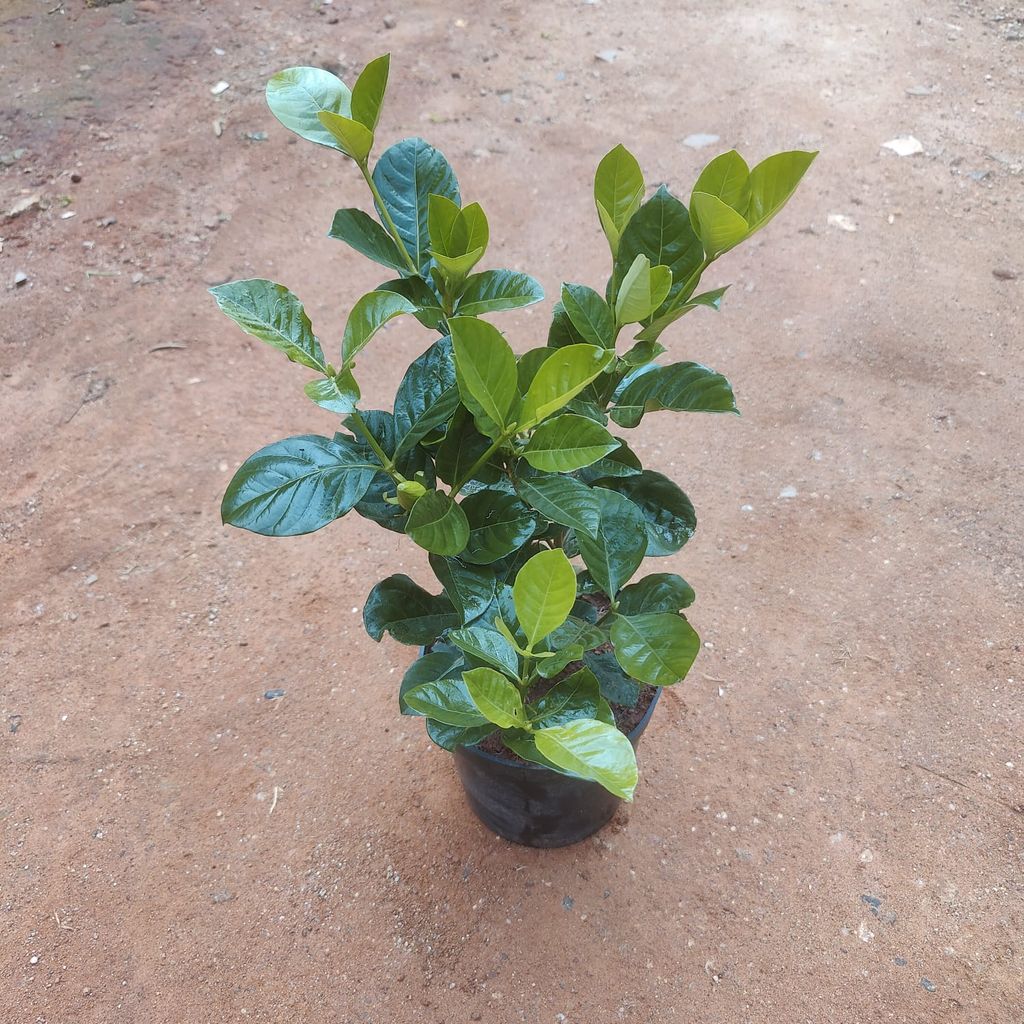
x=33, y=959
x=220, y=87
x=568, y=902
x=904, y=145
x=23, y=205
x=390, y=21
x=607, y=56
x=842, y=221
x=91, y=579
x=921, y=90
x=700, y=139
x=75, y=177
x=256, y=136
x=67, y=215
x=218, y=127
x=222, y=897
x=273, y=694
x=218, y=51
x=1003, y=274
x=928, y=985
x=900, y=961
x=789, y=491
x=20, y=278
x=107, y=222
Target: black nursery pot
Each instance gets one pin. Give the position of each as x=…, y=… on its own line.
x=532, y=805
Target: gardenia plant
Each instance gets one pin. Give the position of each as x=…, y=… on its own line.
x=506, y=468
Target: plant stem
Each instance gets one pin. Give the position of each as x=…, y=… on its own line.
x=388, y=222
x=386, y=463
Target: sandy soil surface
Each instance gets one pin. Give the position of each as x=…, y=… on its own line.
x=830, y=824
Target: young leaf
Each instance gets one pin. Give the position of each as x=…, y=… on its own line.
x=673, y=311
x=544, y=593
x=721, y=227
x=496, y=697
x=437, y=524
x=469, y=587
x=273, y=314
x=668, y=513
x=593, y=750
x=499, y=523
x=567, y=443
x=455, y=268
x=368, y=316
x=335, y=394
x=615, y=553
x=488, y=646
x=486, y=372
x=618, y=192
x=681, y=387
x=589, y=314
x=406, y=175
x=727, y=177
x=642, y=291
x=400, y=607
x=368, y=92
x=296, y=96
x=495, y=290
x=296, y=486
x=561, y=377
x=563, y=500
x=655, y=647
x=427, y=397
x=772, y=182
x=367, y=237
x=447, y=701
x=659, y=592
x=352, y=138
x=442, y=223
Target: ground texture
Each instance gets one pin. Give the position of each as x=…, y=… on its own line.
x=830, y=825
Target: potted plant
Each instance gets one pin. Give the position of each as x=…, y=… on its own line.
x=542, y=656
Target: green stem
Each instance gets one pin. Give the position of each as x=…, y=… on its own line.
x=386, y=463
x=388, y=222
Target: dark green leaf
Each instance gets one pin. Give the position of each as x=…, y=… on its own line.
x=400, y=607
x=463, y=444
x=567, y=443
x=428, y=668
x=367, y=237
x=593, y=750
x=521, y=742
x=619, y=546
x=495, y=290
x=642, y=353
x=336, y=394
x=447, y=701
x=296, y=486
x=589, y=314
x=486, y=645
x=563, y=500
x=621, y=462
x=428, y=306
x=368, y=316
x=616, y=686
x=273, y=314
x=577, y=696
x=428, y=395
x=655, y=647
x=659, y=592
x=469, y=587
x=667, y=512
x=368, y=92
x=498, y=524
x=562, y=332
x=297, y=95
x=486, y=372
x=437, y=524
x=681, y=387
x=406, y=176
x=548, y=668
x=575, y=632
x=448, y=737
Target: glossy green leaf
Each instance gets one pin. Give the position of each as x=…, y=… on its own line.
x=655, y=647
x=449, y=737
x=428, y=306
x=667, y=512
x=270, y=312
x=772, y=182
x=563, y=500
x=711, y=299
x=659, y=592
x=615, y=553
x=469, y=587
x=681, y=387
x=548, y=668
x=560, y=378
x=644, y=288
x=577, y=696
x=496, y=697
x=494, y=290
x=353, y=139
x=618, y=192
x=447, y=701
x=621, y=462
x=642, y=353
x=296, y=96
x=562, y=332
x=368, y=316
x=438, y=524
x=486, y=372
x=544, y=593
x=368, y=92
x=463, y=444
x=589, y=314
x=428, y=668
x=336, y=394
x=721, y=227
x=367, y=237
x=442, y=223
x=296, y=486
x=575, y=632
x=616, y=686
x=404, y=609
x=487, y=645
x=567, y=443
x=427, y=397
x=406, y=175
x=727, y=177
x=498, y=524
x=593, y=750
x=522, y=743
x=455, y=268
x=528, y=364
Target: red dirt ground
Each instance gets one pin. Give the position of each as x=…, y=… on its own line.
x=830, y=823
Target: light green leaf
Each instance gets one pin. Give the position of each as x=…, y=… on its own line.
x=367, y=237
x=593, y=750
x=727, y=177
x=615, y=553
x=772, y=182
x=589, y=314
x=368, y=316
x=659, y=592
x=486, y=371
x=643, y=289
x=487, y=645
x=353, y=139
x=721, y=227
x=655, y=647
x=618, y=192
x=296, y=486
x=499, y=523
x=437, y=524
x=296, y=96
x=447, y=701
x=563, y=500
x=561, y=377
x=543, y=594
x=336, y=394
x=270, y=312
x=681, y=387
x=368, y=92
x=567, y=443
x=400, y=607
x=496, y=697
x=495, y=290
x=711, y=299
x=442, y=222
x=455, y=268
